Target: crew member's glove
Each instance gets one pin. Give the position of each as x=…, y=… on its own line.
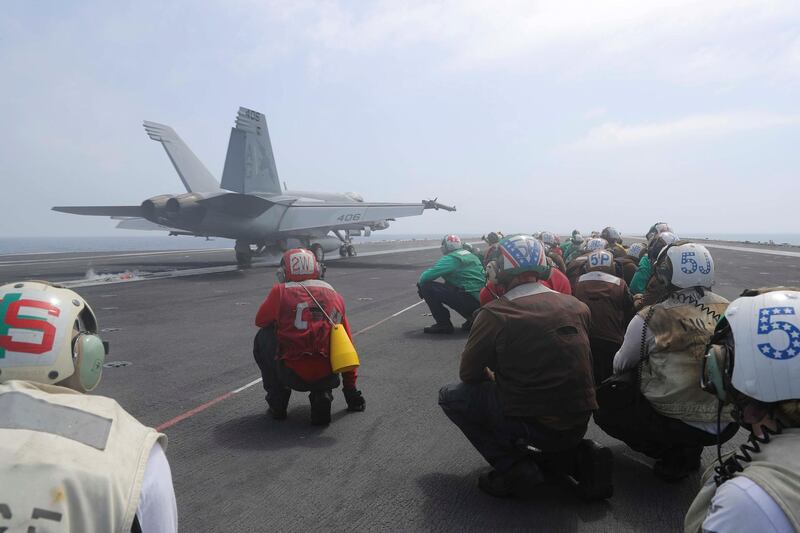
x=419, y=292
x=355, y=401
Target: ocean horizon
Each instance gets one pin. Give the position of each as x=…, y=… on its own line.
x=32, y=245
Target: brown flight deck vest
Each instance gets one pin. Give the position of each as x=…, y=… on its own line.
x=776, y=469
x=69, y=461
x=671, y=375
x=543, y=354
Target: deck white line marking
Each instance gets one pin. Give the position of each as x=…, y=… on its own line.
x=752, y=250
x=203, y=406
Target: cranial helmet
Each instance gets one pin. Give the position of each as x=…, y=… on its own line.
x=655, y=229
x=658, y=243
x=685, y=266
x=298, y=264
x=595, y=243
x=548, y=238
x=635, y=249
x=49, y=335
x=611, y=235
x=450, y=243
x=521, y=253
x=757, y=347
x=601, y=261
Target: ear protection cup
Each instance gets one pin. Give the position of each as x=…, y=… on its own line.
x=281, y=275
x=89, y=354
x=718, y=363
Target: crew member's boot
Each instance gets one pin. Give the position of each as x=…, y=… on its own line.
x=438, y=328
x=278, y=401
x=320, y=407
x=593, y=471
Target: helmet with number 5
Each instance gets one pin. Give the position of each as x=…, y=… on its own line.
x=686, y=265
x=548, y=238
x=766, y=334
x=519, y=254
x=450, y=243
x=49, y=335
x=601, y=261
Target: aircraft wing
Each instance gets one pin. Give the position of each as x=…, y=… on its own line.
x=102, y=210
x=332, y=216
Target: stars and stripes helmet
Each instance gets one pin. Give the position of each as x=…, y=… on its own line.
x=521, y=253
x=757, y=347
x=451, y=243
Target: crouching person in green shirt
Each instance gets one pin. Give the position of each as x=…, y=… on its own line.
x=463, y=277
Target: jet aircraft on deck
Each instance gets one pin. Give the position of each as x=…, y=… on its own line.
x=249, y=204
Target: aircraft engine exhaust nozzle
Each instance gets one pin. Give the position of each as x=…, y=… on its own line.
x=185, y=207
x=153, y=208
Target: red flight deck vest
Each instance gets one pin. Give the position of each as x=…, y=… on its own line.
x=303, y=331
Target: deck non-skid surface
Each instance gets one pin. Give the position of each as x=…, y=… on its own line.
x=400, y=465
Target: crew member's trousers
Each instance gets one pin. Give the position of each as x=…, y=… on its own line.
x=603, y=353
x=476, y=410
x=437, y=295
x=279, y=381
x=661, y=437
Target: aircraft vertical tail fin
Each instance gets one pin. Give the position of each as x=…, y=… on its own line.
x=194, y=175
x=249, y=163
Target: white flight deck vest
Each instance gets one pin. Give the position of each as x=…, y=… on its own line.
x=776, y=469
x=69, y=461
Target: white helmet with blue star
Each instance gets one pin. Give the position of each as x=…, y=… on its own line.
x=766, y=334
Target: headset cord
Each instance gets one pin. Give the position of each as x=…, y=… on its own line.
x=733, y=464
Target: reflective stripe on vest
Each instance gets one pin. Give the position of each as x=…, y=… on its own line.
x=600, y=276
x=21, y=411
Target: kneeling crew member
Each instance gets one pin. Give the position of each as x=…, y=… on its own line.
x=611, y=304
x=292, y=347
x=525, y=373
x=463, y=280
x=672, y=419
x=70, y=461
x=753, y=363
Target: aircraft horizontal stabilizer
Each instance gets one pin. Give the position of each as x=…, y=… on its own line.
x=141, y=224
x=245, y=205
x=102, y=210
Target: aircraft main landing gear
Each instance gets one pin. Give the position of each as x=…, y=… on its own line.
x=244, y=254
x=347, y=250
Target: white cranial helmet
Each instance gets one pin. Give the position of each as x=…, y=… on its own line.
x=450, y=243
x=689, y=265
x=48, y=335
x=766, y=334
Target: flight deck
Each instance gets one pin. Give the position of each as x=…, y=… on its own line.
x=181, y=360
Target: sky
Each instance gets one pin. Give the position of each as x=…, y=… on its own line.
x=527, y=115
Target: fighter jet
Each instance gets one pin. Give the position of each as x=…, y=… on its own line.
x=249, y=204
